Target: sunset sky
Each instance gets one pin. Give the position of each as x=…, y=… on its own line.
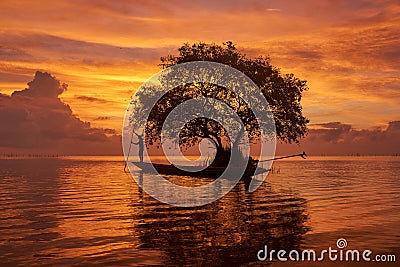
x=348, y=51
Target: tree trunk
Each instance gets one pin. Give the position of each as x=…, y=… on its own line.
x=222, y=155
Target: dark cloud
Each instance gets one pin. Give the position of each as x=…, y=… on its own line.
x=336, y=138
x=42, y=86
x=392, y=54
x=332, y=132
x=102, y=118
x=12, y=53
x=13, y=47
x=91, y=99
x=306, y=54
x=36, y=120
x=394, y=126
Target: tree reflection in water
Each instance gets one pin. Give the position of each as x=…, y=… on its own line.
x=229, y=231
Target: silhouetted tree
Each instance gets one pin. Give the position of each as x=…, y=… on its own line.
x=283, y=93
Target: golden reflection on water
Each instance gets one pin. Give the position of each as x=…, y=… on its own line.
x=88, y=211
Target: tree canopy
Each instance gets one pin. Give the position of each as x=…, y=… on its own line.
x=282, y=91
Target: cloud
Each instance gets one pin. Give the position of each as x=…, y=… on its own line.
x=331, y=132
x=346, y=50
x=12, y=53
x=91, y=99
x=336, y=138
x=36, y=120
x=306, y=54
x=42, y=86
x=13, y=46
x=102, y=118
x=394, y=126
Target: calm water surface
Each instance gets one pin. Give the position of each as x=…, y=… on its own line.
x=88, y=212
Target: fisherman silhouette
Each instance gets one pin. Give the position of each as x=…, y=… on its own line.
x=141, y=145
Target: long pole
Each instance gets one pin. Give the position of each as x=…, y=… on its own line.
x=129, y=151
x=303, y=155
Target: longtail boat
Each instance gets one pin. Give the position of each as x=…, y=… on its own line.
x=209, y=172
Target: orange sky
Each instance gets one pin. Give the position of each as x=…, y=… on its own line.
x=347, y=50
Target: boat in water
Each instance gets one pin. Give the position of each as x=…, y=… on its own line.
x=209, y=172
